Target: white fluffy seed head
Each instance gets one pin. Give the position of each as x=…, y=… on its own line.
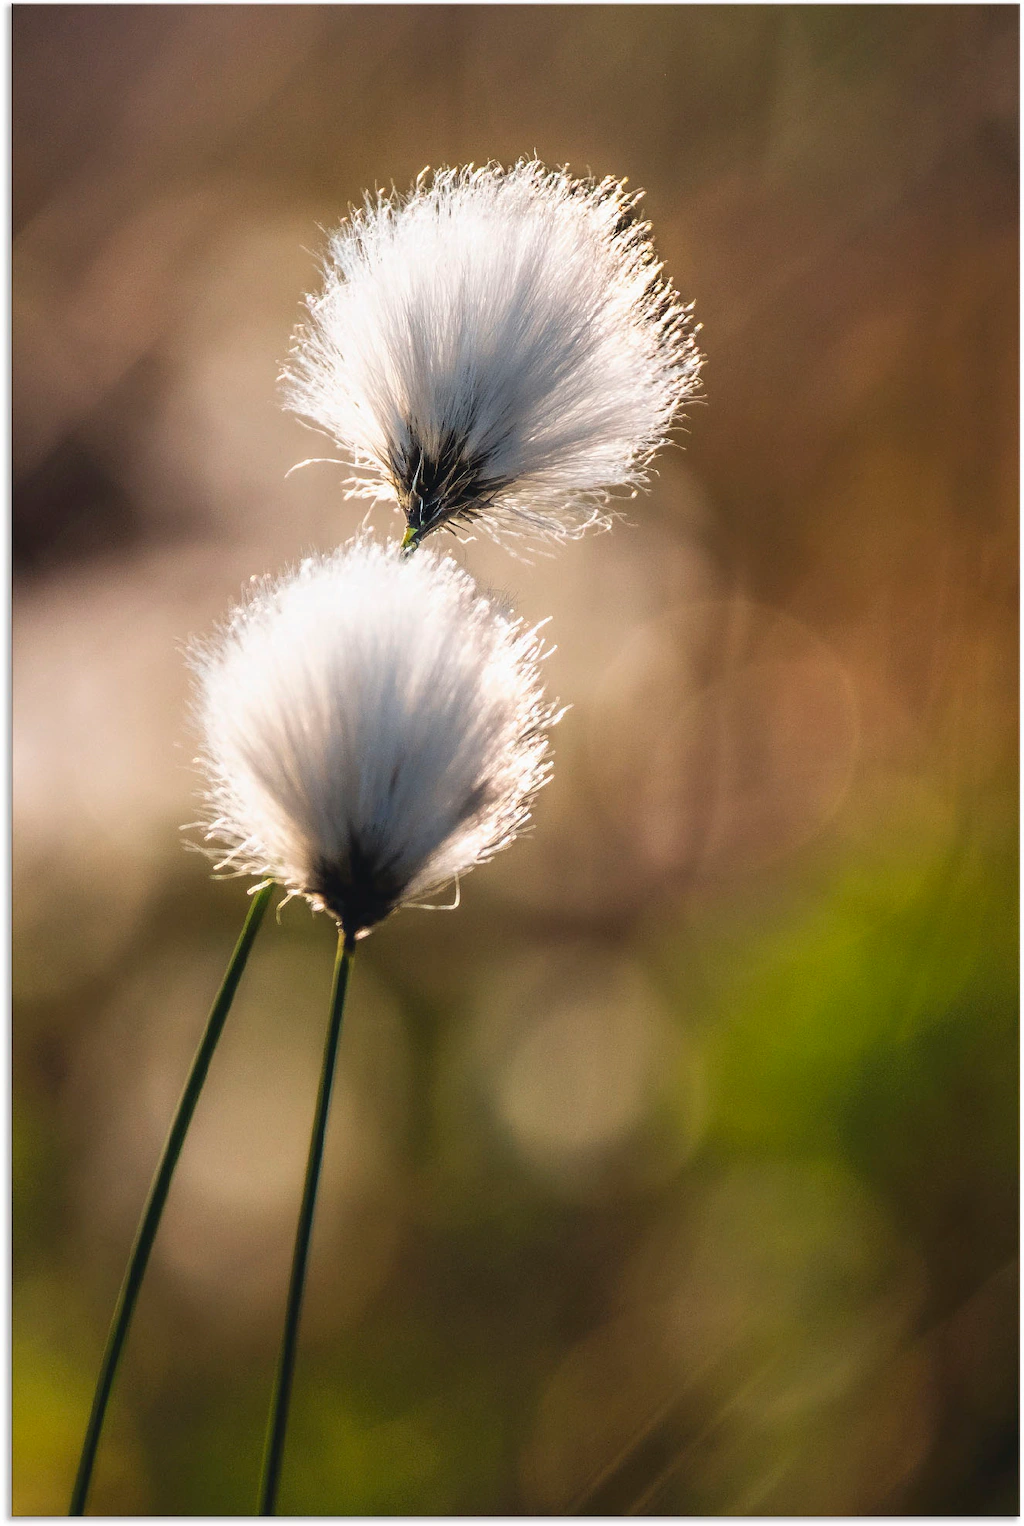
x=498, y=345
x=372, y=728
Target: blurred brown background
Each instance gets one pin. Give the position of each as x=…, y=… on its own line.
x=676, y=1171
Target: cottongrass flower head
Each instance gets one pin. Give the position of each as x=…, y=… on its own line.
x=499, y=345
x=373, y=727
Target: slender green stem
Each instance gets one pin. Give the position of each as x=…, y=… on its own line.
x=149, y=1223
x=286, y=1365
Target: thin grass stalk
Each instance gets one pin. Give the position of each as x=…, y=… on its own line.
x=274, y=1453
x=150, y=1221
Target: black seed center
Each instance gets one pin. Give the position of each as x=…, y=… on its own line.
x=443, y=484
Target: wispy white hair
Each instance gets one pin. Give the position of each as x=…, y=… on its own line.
x=498, y=345
x=372, y=728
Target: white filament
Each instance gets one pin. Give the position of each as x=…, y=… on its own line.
x=373, y=705
x=519, y=313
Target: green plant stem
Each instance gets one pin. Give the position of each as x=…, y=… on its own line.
x=150, y=1221
x=286, y=1365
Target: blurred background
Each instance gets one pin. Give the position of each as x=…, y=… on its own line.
x=676, y=1173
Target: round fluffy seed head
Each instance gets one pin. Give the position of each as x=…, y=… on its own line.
x=498, y=345
x=372, y=728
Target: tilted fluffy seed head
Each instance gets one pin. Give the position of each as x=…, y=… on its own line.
x=498, y=345
x=372, y=728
